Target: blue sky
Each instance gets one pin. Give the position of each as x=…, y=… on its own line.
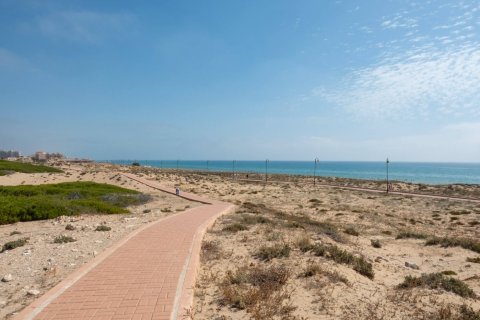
x=295, y=80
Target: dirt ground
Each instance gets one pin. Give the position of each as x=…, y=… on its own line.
x=295, y=219
x=334, y=290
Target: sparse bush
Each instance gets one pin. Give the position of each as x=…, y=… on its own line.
x=14, y=244
x=304, y=244
x=469, y=244
x=235, y=227
x=376, y=243
x=453, y=312
x=332, y=252
x=267, y=253
x=310, y=270
x=438, y=281
x=411, y=235
x=351, y=231
x=15, y=232
x=103, y=227
x=474, y=260
x=210, y=250
x=449, y=273
x=63, y=239
x=69, y=227
x=259, y=290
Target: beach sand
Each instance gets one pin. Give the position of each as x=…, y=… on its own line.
x=336, y=291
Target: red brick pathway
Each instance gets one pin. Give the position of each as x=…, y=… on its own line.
x=150, y=276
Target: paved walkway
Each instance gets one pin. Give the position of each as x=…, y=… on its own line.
x=149, y=275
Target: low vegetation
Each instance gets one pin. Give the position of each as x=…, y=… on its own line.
x=332, y=252
x=63, y=239
x=473, y=260
x=14, y=244
x=469, y=244
x=13, y=166
x=278, y=250
x=351, y=231
x=261, y=291
x=438, y=281
x=103, y=227
x=26, y=203
x=411, y=235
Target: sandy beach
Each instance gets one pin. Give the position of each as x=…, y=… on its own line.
x=293, y=215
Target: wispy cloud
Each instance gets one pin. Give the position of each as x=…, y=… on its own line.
x=12, y=61
x=431, y=69
x=82, y=26
x=420, y=83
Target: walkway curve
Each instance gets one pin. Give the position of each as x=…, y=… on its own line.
x=150, y=274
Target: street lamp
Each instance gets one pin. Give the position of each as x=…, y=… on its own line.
x=387, y=162
x=315, y=170
x=233, y=171
x=266, y=169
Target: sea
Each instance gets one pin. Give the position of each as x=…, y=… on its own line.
x=417, y=172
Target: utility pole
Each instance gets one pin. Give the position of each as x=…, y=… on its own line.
x=387, y=162
x=315, y=171
x=233, y=170
x=266, y=170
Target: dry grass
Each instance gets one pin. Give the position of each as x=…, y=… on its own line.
x=261, y=291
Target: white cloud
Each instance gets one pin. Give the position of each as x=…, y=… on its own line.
x=432, y=81
x=82, y=26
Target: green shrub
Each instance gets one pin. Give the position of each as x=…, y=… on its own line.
x=474, y=260
x=351, y=231
x=63, y=239
x=411, y=235
x=469, y=244
x=14, y=244
x=13, y=166
x=27, y=203
x=438, y=281
x=103, y=227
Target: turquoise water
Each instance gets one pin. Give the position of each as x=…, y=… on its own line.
x=422, y=172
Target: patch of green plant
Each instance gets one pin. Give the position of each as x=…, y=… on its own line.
x=411, y=235
x=40, y=202
x=14, y=244
x=438, y=281
x=15, y=232
x=63, y=239
x=14, y=166
x=267, y=253
x=474, y=260
x=103, y=227
x=466, y=243
x=449, y=273
x=351, y=231
x=332, y=252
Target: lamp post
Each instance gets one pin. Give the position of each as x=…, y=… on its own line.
x=233, y=170
x=266, y=170
x=315, y=170
x=387, y=162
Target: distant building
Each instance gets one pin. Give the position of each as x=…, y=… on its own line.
x=42, y=156
x=9, y=154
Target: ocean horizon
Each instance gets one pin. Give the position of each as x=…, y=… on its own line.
x=415, y=172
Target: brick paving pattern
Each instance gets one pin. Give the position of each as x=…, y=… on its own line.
x=139, y=280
